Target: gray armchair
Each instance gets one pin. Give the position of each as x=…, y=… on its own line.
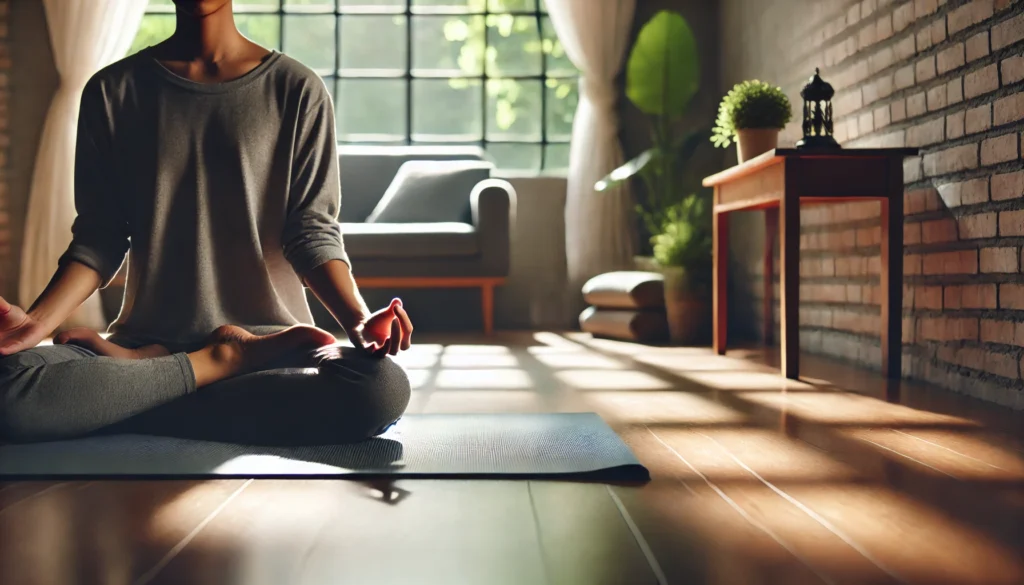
x=469, y=249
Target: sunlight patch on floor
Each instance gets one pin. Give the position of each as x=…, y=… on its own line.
x=727, y=380
x=847, y=409
x=663, y=408
x=483, y=360
x=577, y=360
x=482, y=401
x=611, y=380
x=476, y=350
x=483, y=378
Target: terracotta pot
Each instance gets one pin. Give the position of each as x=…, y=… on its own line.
x=751, y=142
x=687, y=308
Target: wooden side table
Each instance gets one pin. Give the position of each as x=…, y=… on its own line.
x=777, y=182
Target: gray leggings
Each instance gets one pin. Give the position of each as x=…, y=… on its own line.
x=63, y=391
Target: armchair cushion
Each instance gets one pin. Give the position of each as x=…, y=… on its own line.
x=430, y=191
x=409, y=240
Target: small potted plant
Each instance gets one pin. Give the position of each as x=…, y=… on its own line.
x=682, y=249
x=751, y=114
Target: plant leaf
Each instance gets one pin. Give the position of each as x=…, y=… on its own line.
x=663, y=72
x=631, y=168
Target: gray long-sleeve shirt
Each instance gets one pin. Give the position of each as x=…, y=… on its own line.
x=221, y=194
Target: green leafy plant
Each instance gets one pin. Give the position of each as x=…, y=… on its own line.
x=662, y=77
x=685, y=238
x=750, y=104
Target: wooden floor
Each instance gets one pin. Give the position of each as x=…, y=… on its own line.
x=838, y=478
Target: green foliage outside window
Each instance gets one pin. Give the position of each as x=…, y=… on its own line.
x=500, y=78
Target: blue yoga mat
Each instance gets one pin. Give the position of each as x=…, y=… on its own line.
x=508, y=446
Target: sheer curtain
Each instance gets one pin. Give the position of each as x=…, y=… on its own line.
x=599, y=227
x=85, y=35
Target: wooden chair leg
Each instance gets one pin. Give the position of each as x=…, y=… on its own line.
x=720, y=266
x=487, y=302
x=771, y=231
x=892, y=276
x=789, y=289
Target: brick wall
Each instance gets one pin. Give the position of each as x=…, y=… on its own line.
x=942, y=75
x=5, y=66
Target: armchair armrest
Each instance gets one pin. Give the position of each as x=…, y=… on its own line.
x=493, y=206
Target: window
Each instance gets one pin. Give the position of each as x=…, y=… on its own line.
x=487, y=72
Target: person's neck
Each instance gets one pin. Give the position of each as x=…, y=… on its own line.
x=211, y=38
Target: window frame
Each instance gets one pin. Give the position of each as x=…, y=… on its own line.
x=334, y=8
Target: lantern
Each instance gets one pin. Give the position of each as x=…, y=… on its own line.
x=817, y=96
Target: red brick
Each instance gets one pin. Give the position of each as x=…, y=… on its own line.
x=948, y=328
x=955, y=91
x=853, y=15
x=916, y=105
x=956, y=262
x=927, y=133
x=912, y=233
x=1011, y=296
x=920, y=200
x=969, y=192
x=969, y=14
x=883, y=86
x=978, y=119
x=904, y=49
x=1011, y=223
x=951, y=160
x=1013, y=69
x=928, y=297
x=867, y=36
x=938, y=31
x=1003, y=4
x=1003, y=259
x=883, y=28
x=924, y=7
x=913, y=168
x=904, y=77
x=978, y=296
x=867, y=7
x=1000, y=364
x=977, y=46
x=982, y=81
x=981, y=225
x=865, y=123
x=852, y=129
x=995, y=331
x=938, y=231
x=950, y=59
x=1008, y=32
x=955, y=125
x=1008, y=109
x=936, y=98
x=1008, y=186
x=883, y=59
x=912, y=264
x=902, y=16
x=899, y=110
x=925, y=69
x=881, y=117
x=999, y=149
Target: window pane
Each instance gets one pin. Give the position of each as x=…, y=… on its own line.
x=511, y=5
x=558, y=62
x=261, y=29
x=371, y=5
x=256, y=5
x=332, y=85
x=513, y=109
x=449, y=6
x=310, y=5
x=514, y=45
x=448, y=45
x=447, y=110
x=562, y=96
x=515, y=157
x=153, y=29
x=371, y=110
x=543, y=5
x=156, y=3
x=310, y=39
x=373, y=43
x=556, y=157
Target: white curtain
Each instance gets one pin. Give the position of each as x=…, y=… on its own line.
x=599, y=226
x=85, y=36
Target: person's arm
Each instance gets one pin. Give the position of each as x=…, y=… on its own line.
x=333, y=284
x=72, y=284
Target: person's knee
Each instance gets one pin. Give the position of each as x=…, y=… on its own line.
x=381, y=383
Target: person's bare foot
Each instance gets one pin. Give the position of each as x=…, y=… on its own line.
x=92, y=341
x=232, y=350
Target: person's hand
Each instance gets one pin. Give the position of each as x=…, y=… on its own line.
x=385, y=332
x=18, y=330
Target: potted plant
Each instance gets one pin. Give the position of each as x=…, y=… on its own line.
x=752, y=113
x=662, y=77
x=682, y=248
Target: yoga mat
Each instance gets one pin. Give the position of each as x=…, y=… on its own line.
x=507, y=446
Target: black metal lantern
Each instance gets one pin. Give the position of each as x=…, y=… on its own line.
x=817, y=95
